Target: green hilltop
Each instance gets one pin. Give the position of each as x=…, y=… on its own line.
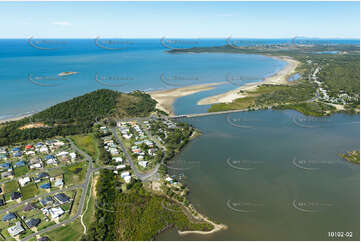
x=78, y=115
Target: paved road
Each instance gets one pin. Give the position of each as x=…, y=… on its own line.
x=39, y=196
x=84, y=188
x=36, y=172
x=152, y=137
x=139, y=175
x=207, y=114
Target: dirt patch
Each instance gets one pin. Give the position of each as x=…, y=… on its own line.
x=94, y=190
x=34, y=125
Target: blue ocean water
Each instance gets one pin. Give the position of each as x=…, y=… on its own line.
x=29, y=70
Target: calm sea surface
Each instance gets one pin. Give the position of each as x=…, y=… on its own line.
x=272, y=175
x=29, y=68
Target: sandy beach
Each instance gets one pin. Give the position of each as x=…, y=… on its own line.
x=166, y=98
x=14, y=119
x=280, y=77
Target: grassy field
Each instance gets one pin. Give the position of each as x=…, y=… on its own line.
x=75, y=173
x=240, y=103
x=29, y=191
x=20, y=171
x=71, y=232
x=87, y=143
x=11, y=186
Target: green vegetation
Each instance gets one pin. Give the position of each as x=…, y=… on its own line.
x=310, y=109
x=104, y=227
x=77, y=115
x=352, y=156
x=71, y=232
x=339, y=74
x=11, y=186
x=29, y=191
x=240, y=103
x=87, y=143
x=134, y=215
x=75, y=173
x=20, y=171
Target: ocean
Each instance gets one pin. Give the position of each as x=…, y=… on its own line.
x=29, y=69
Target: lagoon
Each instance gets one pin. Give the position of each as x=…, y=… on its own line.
x=272, y=175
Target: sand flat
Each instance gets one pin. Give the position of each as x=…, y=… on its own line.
x=166, y=98
x=278, y=78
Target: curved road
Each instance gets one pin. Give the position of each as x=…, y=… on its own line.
x=84, y=188
x=139, y=175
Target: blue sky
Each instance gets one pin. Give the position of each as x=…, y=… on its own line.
x=179, y=19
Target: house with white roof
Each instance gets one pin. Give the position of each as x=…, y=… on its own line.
x=143, y=163
x=56, y=212
x=120, y=167
x=62, y=153
x=124, y=174
x=118, y=159
x=72, y=155
x=44, y=149
x=23, y=181
x=16, y=229
x=127, y=179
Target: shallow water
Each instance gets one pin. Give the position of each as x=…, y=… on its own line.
x=272, y=175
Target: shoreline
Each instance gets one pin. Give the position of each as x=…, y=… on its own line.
x=216, y=227
x=166, y=98
x=276, y=79
x=2, y=121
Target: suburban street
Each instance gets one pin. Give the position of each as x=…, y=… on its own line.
x=139, y=175
x=84, y=188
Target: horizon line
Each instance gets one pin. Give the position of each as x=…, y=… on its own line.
x=320, y=38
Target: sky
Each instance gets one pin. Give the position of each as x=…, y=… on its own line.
x=179, y=19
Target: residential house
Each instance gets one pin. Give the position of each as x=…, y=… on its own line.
x=127, y=179
x=62, y=153
x=24, y=180
x=20, y=164
x=59, y=182
x=15, y=195
x=118, y=159
x=33, y=222
x=46, y=201
x=16, y=229
x=124, y=174
x=56, y=212
x=62, y=198
x=43, y=175
x=5, y=166
x=45, y=186
x=6, y=174
x=120, y=167
x=8, y=217
x=30, y=206
x=143, y=163
x=72, y=156
x=44, y=149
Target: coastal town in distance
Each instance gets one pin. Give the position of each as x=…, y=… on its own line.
x=169, y=129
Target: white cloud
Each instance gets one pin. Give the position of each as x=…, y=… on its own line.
x=62, y=23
